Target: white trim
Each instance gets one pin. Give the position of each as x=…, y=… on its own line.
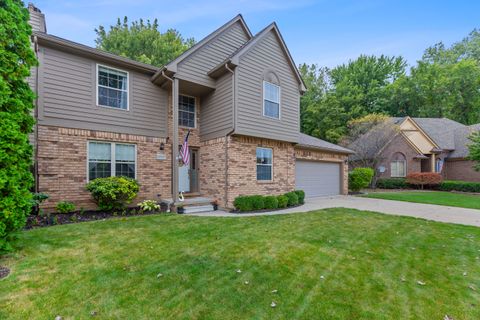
x=112, y=156
x=194, y=113
x=97, y=86
x=279, y=100
x=256, y=165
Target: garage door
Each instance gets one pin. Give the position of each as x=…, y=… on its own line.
x=317, y=178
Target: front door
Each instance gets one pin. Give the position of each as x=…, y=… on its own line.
x=188, y=174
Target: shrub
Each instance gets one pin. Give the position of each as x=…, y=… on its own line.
x=38, y=198
x=463, y=186
x=16, y=104
x=271, y=202
x=301, y=196
x=65, y=207
x=113, y=192
x=282, y=201
x=149, y=205
x=392, y=183
x=258, y=202
x=243, y=203
x=424, y=179
x=292, y=198
x=360, y=178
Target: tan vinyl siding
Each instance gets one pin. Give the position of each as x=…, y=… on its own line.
x=217, y=110
x=195, y=67
x=266, y=56
x=68, y=91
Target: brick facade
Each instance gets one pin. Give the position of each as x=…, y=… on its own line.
x=399, y=144
x=314, y=155
x=62, y=164
x=461, y=170
x=213, y=169
x=242, y=169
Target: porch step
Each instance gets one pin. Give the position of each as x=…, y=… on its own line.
x=196, y=201
x=195, y=209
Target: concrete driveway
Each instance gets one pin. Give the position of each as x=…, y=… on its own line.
x=401, y=208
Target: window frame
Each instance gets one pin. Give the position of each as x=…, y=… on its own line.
x=112, y=157
x=404, y=169
x=97, y=86
x=256, y=165
x=194, y=112
x=279, y=100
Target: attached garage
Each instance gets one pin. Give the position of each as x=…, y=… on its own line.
x=318, y=178
x=320, y=167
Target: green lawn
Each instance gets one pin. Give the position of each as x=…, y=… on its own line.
x=329, y=264
x=431, y=197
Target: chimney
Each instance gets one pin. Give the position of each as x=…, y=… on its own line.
x=37, y=19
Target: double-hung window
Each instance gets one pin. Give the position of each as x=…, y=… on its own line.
x=264, y=164
x=112, y=88
x=271, y=100
x=106, y=159
x=398, y=168
x=186, y=111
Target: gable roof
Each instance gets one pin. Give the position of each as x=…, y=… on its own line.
x=461, y=140
x=440, y=130
x=234, y=58
x=80, y=49
x=304, y=140
x=172, y=65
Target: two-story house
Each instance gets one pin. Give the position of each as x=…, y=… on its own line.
x=101, y=115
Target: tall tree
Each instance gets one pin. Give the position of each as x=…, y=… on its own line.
x=142, y=41
x=474, y=149
x=16, y=103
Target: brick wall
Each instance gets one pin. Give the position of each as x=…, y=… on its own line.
x=308, y=154
x=212, y=169
x=62, y=164
x=399, y=144
x=461, y=170
x=242, y=170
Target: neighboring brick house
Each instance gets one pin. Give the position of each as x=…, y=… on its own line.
x=427, y=145
x=99, y=115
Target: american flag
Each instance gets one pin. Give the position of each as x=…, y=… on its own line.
x=184, y=151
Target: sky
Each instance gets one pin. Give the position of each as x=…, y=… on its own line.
x=327, y=33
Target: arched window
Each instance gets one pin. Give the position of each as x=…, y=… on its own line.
x=398, y=166
x=271, y=95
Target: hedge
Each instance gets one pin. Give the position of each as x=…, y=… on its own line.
x=463, y=186
x=258, y=202
x=392, y=183
x=424, y=179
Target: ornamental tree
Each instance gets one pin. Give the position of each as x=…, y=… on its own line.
x=16, y=121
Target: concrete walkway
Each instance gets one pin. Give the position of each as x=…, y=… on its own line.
x=401, y=208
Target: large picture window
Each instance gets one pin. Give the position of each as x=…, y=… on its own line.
x=186, y=111
x=107, y=159
x=398, y=166
x=264, y=164
x=112, y=88
x=271, y=100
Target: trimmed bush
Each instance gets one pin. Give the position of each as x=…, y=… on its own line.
x=258, y=202
x=424, y=179
x=463, y=186
x=292, y=198
x=113, y=192
x=65, y=207
x=271, y=202
x=243, y=203
x=360, y=178
x=301, y=196
x=282, y=201
x=392, y=183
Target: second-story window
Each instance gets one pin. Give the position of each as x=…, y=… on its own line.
x=271, y=100
x=186, y=111
x=112, y=86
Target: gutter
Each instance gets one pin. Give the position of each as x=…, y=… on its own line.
x=35, y=165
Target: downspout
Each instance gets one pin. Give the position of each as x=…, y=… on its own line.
x=227, y=160
x=35, y=164
x=174, y=139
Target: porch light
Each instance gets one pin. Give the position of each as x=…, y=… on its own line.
x=162, y=146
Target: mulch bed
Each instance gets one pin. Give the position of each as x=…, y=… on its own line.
x=4, y=272
x=265, y=210
x=46, y=220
